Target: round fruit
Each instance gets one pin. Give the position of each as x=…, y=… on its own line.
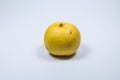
x=62, y=39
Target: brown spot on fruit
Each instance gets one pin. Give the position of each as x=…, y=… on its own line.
x=70, y=32
x=60, y=25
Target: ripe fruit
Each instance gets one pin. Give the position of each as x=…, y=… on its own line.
x=62, y=39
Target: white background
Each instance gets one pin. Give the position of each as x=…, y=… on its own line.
x=22, y=52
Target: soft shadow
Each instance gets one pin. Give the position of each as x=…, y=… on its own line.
x=82, y=52
x=43, y=54
x=63, y=57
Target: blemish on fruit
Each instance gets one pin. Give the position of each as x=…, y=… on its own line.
x=60, y=25
x=70, y=32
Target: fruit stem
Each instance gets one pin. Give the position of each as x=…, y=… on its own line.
x=60, y=25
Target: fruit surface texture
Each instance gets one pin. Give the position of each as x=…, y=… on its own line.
x=62, y=39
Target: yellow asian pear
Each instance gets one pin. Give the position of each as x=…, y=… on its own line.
x=62, y=39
